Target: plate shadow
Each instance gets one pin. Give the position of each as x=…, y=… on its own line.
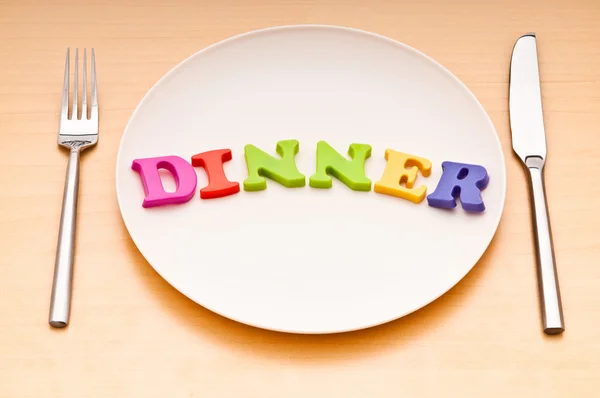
x=306, y=348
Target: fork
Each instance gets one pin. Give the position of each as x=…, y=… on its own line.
x=77, y=131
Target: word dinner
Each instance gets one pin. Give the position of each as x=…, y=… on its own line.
x=458, y=181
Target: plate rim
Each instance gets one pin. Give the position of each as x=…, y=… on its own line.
x=390, y=40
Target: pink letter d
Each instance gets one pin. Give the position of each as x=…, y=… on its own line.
x=183, y=173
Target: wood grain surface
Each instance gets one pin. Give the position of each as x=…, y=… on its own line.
x=133, y=335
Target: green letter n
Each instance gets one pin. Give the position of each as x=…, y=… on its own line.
x=282, y=170
x=351, y=173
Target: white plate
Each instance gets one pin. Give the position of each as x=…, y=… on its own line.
x=309, y=260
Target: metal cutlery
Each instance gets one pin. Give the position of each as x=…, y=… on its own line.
x=78, y=130
x=529, y=143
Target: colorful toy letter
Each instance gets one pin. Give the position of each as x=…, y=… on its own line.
x=283, y=171
x=396, y=172
x=351, y=173
x=460, y=180
x=183, y=173
x=218, y=184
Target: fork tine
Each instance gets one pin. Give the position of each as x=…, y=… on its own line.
x=94, y=110
x=84, y=91
x=75, y=108
x=64, y=110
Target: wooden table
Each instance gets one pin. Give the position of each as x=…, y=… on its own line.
x=133, y=335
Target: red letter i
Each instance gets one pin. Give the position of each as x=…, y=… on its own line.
x=218, y=184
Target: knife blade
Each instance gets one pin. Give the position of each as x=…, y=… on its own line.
x=529, y=143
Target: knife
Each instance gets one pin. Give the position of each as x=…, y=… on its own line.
x=529, y=143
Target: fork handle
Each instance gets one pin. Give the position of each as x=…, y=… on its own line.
x=60, y=304
x=549, y=292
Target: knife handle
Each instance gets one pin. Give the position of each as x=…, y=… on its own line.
x=549, y=292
